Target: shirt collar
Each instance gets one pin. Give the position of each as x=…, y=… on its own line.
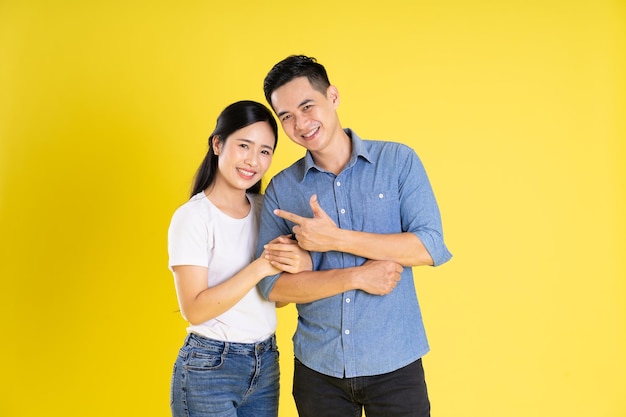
x=358, y=149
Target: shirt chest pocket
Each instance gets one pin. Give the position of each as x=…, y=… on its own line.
x=378, y=212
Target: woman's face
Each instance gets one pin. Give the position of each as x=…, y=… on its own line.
x=246, y=155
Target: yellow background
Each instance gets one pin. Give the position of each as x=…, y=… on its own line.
x=516, y=108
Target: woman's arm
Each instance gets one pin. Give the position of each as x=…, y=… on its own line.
x=199, y=302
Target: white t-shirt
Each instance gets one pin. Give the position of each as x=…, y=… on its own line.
x=200, y=234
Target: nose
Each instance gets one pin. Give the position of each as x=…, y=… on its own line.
x=299, y=121
x=252, y=160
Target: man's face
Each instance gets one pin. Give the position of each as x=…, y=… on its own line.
x=307, y=116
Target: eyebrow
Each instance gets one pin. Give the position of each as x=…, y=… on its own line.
x=252, y=142
x=305, y=101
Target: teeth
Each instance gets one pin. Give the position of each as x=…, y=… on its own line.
x=311, y=133
x=247, y=173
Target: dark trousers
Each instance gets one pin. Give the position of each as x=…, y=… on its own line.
x=401, y=393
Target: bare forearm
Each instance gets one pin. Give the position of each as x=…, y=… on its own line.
x=373, y=277
x=404, y=248
x=213, y=301
x=309, y=286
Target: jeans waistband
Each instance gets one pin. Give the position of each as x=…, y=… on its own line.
x=221, y=347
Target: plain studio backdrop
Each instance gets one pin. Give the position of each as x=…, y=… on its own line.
x=515, y=107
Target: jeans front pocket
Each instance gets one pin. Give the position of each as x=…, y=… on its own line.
x=200, y=360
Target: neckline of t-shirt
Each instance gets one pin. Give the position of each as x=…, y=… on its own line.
x=226, y=216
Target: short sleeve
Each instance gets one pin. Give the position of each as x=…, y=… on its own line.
x=190, y=238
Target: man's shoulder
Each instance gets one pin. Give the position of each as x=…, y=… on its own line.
x=295, y=170
x=387, y=149
x=381, y=143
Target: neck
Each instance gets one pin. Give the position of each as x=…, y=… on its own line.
x=230, y=201
x=335, y=157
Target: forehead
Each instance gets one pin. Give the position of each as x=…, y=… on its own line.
x=260, y=133
x=293, y=94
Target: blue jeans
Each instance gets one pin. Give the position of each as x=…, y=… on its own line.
x=222, y=379
x=401, y=393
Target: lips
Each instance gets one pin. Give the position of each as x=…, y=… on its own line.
x=246, y=174
x=311, y=133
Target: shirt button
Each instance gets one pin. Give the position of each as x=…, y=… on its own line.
x=343, y=211
x=380, y=195
x=338, y=183
x=347, y=332
x=347, y=300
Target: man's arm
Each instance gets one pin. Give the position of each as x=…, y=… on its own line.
x=321, y=234
x=374, y=277
x=405, y=248
x=420, y=240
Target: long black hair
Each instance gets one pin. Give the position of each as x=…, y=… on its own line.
x=234, y=117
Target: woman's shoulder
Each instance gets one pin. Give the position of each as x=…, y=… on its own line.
x=256, y=199
x=196, y=206
x=257, y=203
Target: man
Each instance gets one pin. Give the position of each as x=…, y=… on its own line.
x=359, y=207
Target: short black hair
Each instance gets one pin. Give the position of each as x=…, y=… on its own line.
x=295, y=66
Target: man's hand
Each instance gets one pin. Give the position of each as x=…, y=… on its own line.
x=379, y=277
x=315, y=234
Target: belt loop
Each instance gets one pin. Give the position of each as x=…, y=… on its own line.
x=226, y=346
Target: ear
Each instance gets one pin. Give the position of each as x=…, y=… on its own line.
x=333, y=95
x=216, y=144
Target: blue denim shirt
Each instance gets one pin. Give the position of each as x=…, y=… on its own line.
x=383, y=189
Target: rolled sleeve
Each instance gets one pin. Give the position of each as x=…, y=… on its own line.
x=266, y=285
x=420, y=212
x=270, y=227
x=435, y=246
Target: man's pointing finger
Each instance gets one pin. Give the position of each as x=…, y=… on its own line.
x=288, y=216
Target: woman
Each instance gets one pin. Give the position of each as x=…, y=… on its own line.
x=228, y=365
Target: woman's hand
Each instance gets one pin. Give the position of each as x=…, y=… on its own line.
x=285, y=255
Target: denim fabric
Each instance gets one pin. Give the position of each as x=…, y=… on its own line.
x=401, y=393
x=222, y=379
x=383, y=189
